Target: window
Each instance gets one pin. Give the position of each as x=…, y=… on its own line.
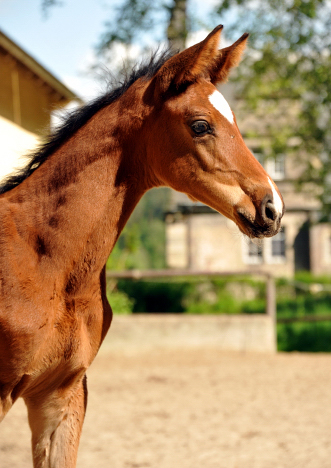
x=275, y=167
x=253, y=252
x=275, y=251
x=269, y=250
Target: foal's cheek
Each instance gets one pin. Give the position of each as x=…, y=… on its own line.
x=206, y=155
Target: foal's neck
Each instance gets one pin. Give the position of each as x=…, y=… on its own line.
x=76, y=203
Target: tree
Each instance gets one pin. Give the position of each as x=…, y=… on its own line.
x=132, y=18
x=288, y=68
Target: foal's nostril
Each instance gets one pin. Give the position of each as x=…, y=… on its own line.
x=270, y=211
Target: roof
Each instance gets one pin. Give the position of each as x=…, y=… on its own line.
x=23, y=57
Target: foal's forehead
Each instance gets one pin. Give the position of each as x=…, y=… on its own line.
x=211, y=100
x=221, y=105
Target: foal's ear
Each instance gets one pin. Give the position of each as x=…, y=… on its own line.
x=228, y=58
x=187, y=66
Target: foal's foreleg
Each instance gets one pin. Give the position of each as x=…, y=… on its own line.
x=56, y=423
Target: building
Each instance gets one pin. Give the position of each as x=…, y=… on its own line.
x=28, y=95
x=198, y=237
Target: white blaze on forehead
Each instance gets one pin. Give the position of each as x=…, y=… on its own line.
x=277, y=200
x=218, y=101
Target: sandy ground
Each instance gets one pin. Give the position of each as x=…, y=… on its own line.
x=196, y=408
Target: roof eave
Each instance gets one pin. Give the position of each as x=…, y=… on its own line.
x=26, y=59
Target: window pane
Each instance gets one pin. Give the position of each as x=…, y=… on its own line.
x=254, y=250
x=278, y=247
x=276, y=167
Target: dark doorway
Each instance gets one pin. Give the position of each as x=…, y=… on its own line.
x=302, y=249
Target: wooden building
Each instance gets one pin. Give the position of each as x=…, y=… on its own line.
x=28, y=95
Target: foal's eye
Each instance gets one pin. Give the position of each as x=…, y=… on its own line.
x=200, y=127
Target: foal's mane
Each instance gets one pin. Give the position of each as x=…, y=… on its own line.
x=76, y=119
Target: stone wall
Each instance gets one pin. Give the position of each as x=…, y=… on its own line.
x=224, y=332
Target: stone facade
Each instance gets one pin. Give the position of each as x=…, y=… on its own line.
x=198, y=237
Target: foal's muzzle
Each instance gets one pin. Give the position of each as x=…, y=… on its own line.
x=266, y=222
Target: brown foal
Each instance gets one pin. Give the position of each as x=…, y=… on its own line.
x=60, y=218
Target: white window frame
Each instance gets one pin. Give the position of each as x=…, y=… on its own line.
x=266, y=248
x=249, y=257
x=270, y=257
x=275, y=167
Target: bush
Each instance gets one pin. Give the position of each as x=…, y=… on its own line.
x=309, y=278
x=307, y=337
x=120, y=302
x=195, y=296
x=304, y=304
x=257, y=306
x=156, y=296
x=225, y=304
x=227, y=296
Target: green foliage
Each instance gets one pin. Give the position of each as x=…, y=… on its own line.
x=195, y=296
x=221, y=295
x=156, y=296
x=287, y=73
x=304, y=300
x=120, y=302
x=142, y=242
x=143, y=23
x=225, y=304
x=240, y=295
x=304, y=304
x=129, y=20
x=308, y=278
x=307, y=337
x=256, y=306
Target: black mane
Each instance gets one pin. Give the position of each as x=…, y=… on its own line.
x=79, y=117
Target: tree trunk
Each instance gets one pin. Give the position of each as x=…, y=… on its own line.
x=177, y=28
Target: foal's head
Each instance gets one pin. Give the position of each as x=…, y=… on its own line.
x=196, y=145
